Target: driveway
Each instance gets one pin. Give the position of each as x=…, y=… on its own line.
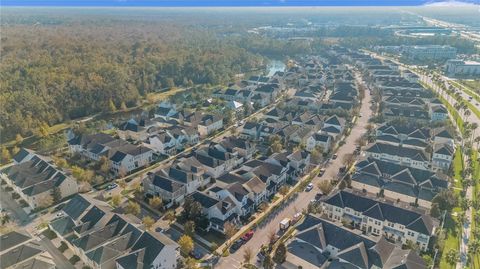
x=303, y=199
x=175, y=236
x=11, y=205
x=58, y=257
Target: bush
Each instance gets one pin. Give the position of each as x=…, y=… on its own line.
x=23, y=203
x=50, y=234
x=63, y=246
x=74, y=259
x=9, y=188
x=15, y=196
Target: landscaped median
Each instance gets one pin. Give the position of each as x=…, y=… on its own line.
x=451, y=226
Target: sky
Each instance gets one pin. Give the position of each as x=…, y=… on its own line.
x=213, y=3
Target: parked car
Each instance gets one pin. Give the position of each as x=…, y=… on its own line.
x=236, y=245
x=195, y=254
x=111, y=186
x=334, y=156
x=309, y=187
x=318, y=196
x=322, y=171
x=247, y=236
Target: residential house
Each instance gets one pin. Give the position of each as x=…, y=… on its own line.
x=19, y=250
x=442, y=156
x=38, y=181
x=407, y=156
x=319, y=243
x=324, y=141
x=218, y=212
x=398, y=182
x=209, y=124
x=380, y=218
x=107, y=240
x=127, y=158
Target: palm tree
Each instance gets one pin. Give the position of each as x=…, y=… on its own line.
x=474, y=250
x=467, y=113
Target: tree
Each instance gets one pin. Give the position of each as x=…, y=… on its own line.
x=247, y=255
x=283, y=190
x=189, y=228
x=155, y=202
x=116, y=199
x=111, y=106
x=18, y=138
x=186, y=244
x=61, y=162
x=133, y=208
x=280, y=254
x=315, y=155
x=272, y=236
x=452, y=257
x=348, y=159
x=45, y=201
x=192, y=209
x=5, y=155
x=148, y=222
x=123, y=106
x=56, y=194
x=445, y=199
x=170, y=215
x=276, y=146
x=435, y=211
x=190, y=263
x=104, y=164
x=325, y=186
x=230, y=230
x=267, y=262
x=122, y=184
x=15, y=150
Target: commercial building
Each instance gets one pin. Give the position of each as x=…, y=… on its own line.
x=462, y=68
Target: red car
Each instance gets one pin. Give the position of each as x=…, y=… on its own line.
x=247, y=236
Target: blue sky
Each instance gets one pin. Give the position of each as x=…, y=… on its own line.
x=211, y=3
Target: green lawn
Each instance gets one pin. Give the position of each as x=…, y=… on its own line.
x=452, y=231
x=453, y=112
x=472, y=84
x=476, y=191
x=452, y=240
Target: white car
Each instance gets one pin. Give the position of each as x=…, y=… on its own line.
x=309, y=187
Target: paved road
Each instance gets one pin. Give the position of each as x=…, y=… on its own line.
x=10, y=205
x=303, y=199
x=58, y=257
x=466, y=231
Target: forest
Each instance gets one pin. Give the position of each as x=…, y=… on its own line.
x=52, y=73
x=63, y=64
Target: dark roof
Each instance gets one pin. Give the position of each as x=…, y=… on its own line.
x=21, y=154
x=395, y=150
x=19, y=254
x=382, y=211
x=166, y=184
x=12, y=239
x=76, y=206
x=152, y=244
x=205, y=200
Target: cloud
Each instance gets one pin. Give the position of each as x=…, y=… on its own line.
x=449, y=3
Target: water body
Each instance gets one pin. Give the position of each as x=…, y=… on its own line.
x=274, y=66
